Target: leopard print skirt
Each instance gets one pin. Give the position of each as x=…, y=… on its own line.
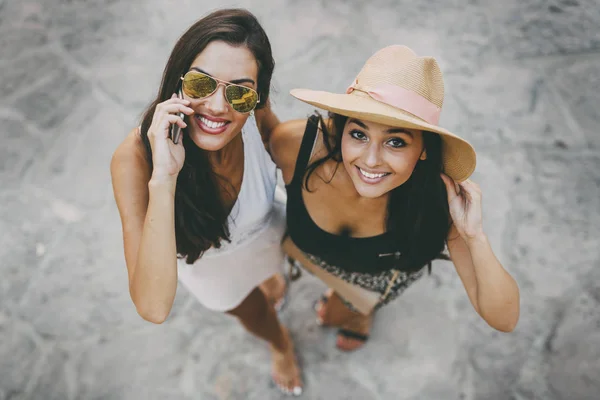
x=389, y=284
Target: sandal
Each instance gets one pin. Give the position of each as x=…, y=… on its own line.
x=347, y=333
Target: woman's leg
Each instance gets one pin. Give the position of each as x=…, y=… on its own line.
x=275, y=289
x=353, y=333
x=331, y=310
x=259, y=318
x=354, y=326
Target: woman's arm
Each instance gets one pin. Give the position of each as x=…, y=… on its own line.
x=146, y=202
x=492, y=291
x=146, y=207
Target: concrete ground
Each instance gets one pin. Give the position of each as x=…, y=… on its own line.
x=522, y=84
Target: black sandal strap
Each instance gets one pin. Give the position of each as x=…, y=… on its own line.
x=353, y=335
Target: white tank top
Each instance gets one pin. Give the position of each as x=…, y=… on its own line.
x=251, y=212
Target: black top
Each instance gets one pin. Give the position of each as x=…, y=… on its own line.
x=365, y=255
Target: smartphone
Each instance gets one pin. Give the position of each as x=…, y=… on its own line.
x=176, y=129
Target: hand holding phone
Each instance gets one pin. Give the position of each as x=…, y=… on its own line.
x=176, y=129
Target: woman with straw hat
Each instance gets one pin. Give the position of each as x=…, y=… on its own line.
x=378, y=190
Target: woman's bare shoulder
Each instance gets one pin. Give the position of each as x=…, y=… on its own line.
x=289, y=132
x=130, y=151
x=285, y=143
x=129, y=167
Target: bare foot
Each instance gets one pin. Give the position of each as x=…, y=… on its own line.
x=274, y=289
x=285, y=370
x=354, y=332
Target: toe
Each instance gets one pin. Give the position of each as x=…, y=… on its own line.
x=280, y=385
x=296, y=387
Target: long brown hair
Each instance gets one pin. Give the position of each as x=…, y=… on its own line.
x=417, y=215
x=200, y=214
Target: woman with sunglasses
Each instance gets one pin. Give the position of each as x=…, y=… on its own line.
x=198, y=207
x=373, y=196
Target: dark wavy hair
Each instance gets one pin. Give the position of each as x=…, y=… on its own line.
x=418, y=215
x=200, y=213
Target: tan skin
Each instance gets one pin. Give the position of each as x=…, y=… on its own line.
x=145, y=199
x=343, y=199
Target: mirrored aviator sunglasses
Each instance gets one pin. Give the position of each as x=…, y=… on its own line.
x=198, y=86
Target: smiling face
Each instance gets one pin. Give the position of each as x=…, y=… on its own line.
x=215, y=124
x=379, y=158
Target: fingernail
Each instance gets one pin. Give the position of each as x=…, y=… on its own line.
x=297, y=391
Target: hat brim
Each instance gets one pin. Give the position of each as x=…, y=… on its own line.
x=458, y=156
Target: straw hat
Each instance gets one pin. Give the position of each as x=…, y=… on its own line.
x=398, y=88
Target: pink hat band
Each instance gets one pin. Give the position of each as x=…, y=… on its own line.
x=403, y=99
